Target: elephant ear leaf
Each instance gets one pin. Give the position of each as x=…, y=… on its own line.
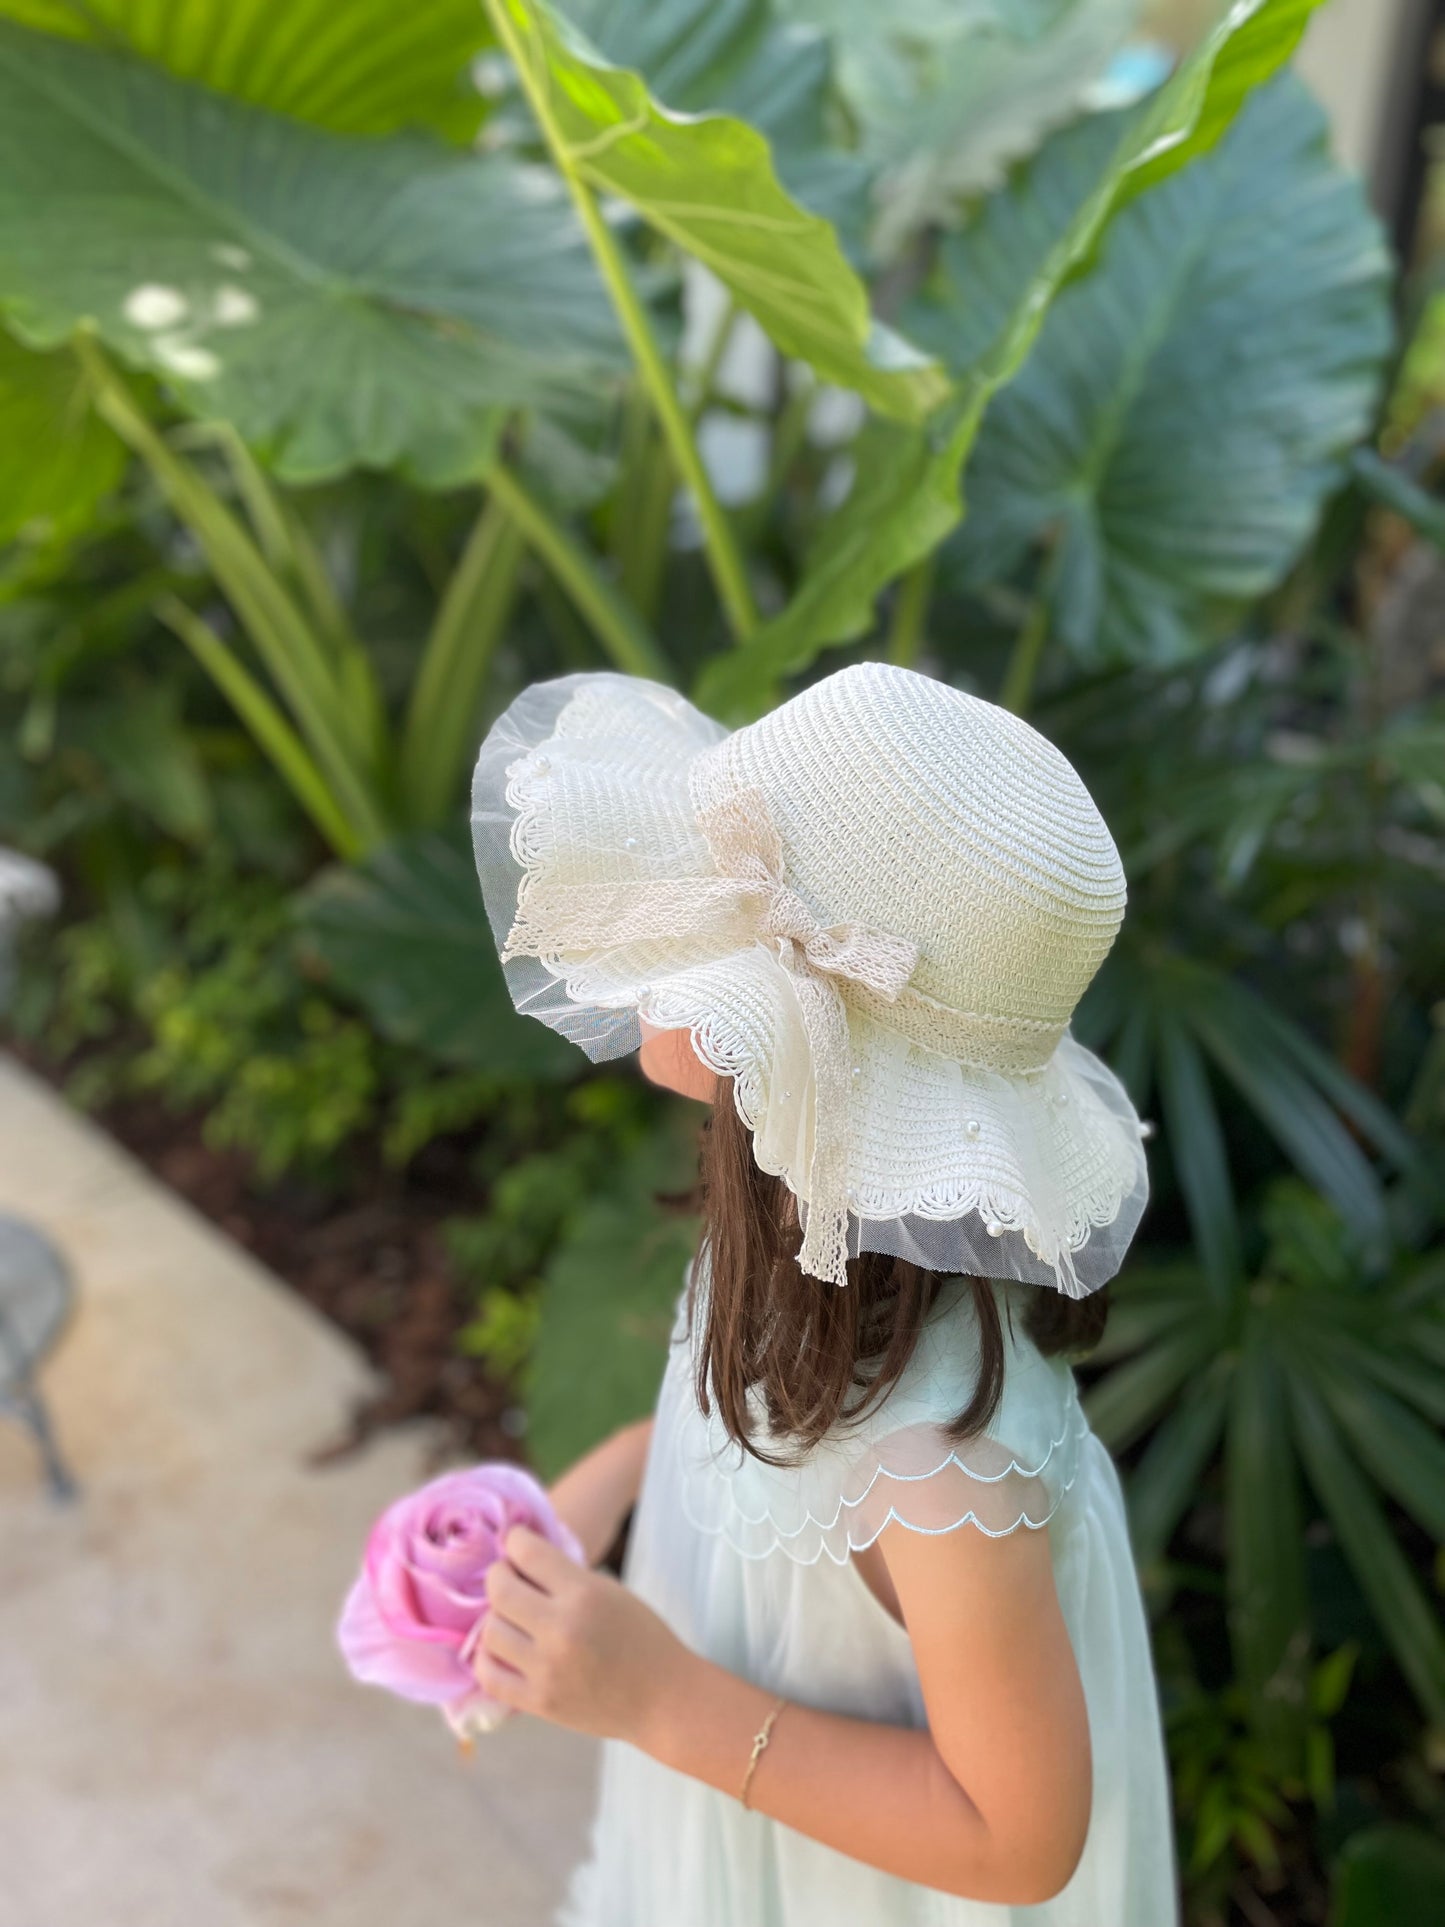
x=342, y=302
x=741, y=59
x=62, y=459
x=1033, y=241
x=1182, y=417
x=708, y=182
x=406, y=933
x=355, y=66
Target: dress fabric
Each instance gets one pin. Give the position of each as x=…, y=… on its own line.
x=750, y=1566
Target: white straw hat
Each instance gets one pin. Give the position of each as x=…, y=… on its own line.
x=875, y=910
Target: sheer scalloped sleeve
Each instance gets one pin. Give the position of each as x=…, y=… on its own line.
x=898, y=1463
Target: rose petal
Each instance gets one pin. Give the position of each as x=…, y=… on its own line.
x=453, y=1608
x=414, y=1669
x=395, y=1595
x=456, y=1557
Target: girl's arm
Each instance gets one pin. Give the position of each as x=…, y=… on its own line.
x=991, y=1802
x=594, y=1495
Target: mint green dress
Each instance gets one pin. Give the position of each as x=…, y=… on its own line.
x=750, y=1564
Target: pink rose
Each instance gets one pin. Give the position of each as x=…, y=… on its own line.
x=412, y=1620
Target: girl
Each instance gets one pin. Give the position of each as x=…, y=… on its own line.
x=878, y=1658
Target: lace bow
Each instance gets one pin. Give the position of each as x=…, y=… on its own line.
x=748, y=852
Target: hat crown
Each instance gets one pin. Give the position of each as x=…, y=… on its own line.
x=917, y=809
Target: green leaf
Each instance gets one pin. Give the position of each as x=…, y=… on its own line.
x=890, y=521
x=144, y=746
x=1248, y=44
x=986, y=271
x=1330, y=1684
x=1385, y=1577
x=737, y=57
x=1388, y=1876
x=1128, y=1399
x=1197, y=1152
x=1147, y=1303
x=343, y=302
x=903, y=502
x=60, y=460
x=1262, y=1026
x=1268, y=1610
x=439, y=733
x=1179, y=423
x=1226, y=1020
x=1404, y=1455
x=945, y=96
x=407, y=934
x=268, y=727
x=708, y=183
x=1165, y=1482
x=356, y=66
x=1397, y=491
x=608, y=1300
x=321, y=684
x=1395, y=1364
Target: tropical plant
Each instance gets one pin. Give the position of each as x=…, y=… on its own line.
x=1314, y=1362
x=360, y=393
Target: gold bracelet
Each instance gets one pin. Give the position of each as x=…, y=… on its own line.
x=760, y=1745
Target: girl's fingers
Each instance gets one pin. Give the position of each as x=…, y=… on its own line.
x=514, y=1597
x=500, y=1682
x=538, y=1559
x=506, y=1643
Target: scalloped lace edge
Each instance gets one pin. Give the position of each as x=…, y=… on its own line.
x=1075, y=1432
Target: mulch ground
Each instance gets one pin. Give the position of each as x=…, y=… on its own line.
x=370, y=1259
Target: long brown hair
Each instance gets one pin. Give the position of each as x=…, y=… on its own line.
x=818, y=1356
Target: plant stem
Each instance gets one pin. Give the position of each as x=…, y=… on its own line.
x=288, y=645
x=469, y=623
x=285, y=539
x=641, y=514
x=287, y=547
x=647, y=557
x=1018, y=682
x=910, y=614
x=724, y=557
x=617, y=626
x=273, y=735
x=634, y=454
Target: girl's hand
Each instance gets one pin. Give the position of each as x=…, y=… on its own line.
x=573, y=1646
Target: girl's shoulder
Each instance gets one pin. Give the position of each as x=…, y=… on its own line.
x=898, y=1462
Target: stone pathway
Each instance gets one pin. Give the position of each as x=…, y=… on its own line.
x=179, y=1746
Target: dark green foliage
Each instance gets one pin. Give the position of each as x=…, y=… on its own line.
x=1389, y=1877
x=407, y=934
x=609, y=1296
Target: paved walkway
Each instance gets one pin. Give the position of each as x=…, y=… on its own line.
x=179, y=1746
